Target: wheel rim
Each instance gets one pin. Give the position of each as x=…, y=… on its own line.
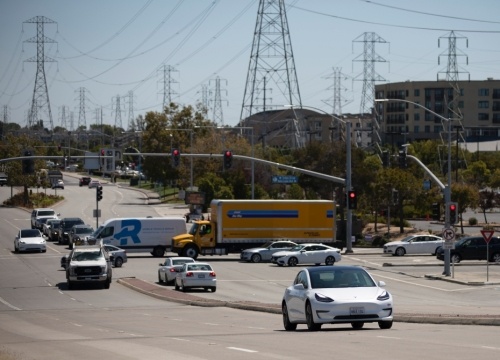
x=400, y=252
x=292, y=262
x=255, y=258
x=118, y=262
x=496, y=258
x=329, y=260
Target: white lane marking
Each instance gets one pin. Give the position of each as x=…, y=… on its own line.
x=211, y=324
x=179, y=339
x=389, y=337
x=241, y=349
x=9, y=304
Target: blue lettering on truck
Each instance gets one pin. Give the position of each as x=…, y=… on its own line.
x=130, y=229
x=253, y=214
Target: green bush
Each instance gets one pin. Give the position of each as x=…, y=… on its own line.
x=472, y=221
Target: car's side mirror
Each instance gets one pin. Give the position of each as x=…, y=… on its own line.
x=381, y=283
x=299, y=286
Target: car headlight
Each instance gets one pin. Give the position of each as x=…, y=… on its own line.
x=384, y=296
x=322, y=298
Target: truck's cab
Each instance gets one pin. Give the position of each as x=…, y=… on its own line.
x=200, y=237
x=89, y=264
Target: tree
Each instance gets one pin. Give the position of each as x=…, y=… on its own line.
x=486, y=201
x=467, y=196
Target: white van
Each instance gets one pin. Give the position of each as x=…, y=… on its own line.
x=141, y=234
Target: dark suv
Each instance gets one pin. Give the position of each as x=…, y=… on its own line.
x=85, y=180
x=473, y=248
x=65, y=227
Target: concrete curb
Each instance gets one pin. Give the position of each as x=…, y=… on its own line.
x=167, y=294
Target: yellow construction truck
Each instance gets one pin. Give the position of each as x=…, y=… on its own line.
x=236, y=225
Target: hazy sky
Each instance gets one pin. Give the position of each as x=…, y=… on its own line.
x=112, y=47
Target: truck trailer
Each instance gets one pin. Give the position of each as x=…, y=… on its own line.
x=236, y=225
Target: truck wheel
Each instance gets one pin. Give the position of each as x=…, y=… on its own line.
x=107, y=283
x=158, y=251
x=191, y=251
x=70, y=285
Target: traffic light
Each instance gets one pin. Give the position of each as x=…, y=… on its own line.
x=98, y=193
x=402, y=159
x=28, y=164
x=436, y=211
x=385, y=158
x=453, y=211
x=228, y=159
x=102, y=152
x=59, y=147
x=352, y=200
x=176, y=157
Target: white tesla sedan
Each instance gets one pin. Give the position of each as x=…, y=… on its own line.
x=29, y=240
x=336, y=295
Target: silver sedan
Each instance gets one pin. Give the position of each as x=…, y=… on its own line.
x=170, y=267
x=265, y=252
x=196, y=275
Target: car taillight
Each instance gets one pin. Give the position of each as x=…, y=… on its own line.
x=189, y=274
x=212, y=273
x=172, y=270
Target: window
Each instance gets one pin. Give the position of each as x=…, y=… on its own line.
x=483, y=104
x=416, y=92
x=416, y=129
x=483, y=116
x=484, y=92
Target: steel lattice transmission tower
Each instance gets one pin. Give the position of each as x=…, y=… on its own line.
x=167, y=80
x=40, y=102
x=369, y=58
x=118, y=112
x=218, y=116
x=131, y=124
x=63, y=115
x=82, y=119
x=271, y=62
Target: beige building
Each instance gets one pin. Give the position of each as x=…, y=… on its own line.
x=477, y=105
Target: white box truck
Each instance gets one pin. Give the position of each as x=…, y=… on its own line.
x=152, y=235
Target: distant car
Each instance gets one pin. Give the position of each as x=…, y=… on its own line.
x=3, y=179
x=29, y=240
x=414, y=244
x=265, y=252
x=41, y=212
x=53, y=231
x=47, y=225
x=72, y=168
x=59, y=184
x=78, y=233
x=196, y=275
x=473, y=248
x=94, y=183
x=65, y=227
x=84, y=180
x=118, y=255
x=336, y=295
x=41, y=220
x=307, y=254
x=169, y=268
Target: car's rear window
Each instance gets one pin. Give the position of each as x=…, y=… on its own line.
x=181, y=262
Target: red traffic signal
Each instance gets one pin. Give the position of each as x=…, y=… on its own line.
x=453, y=211
x=228, y=159
x=58, y=147
x=176, y=157
x=102, y=152
x=352, y=200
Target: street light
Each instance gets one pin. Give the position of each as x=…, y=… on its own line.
x=348, y=179
x=447, y=189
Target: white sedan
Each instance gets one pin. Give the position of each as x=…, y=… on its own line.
x=29, y=240
x=265, y=252
x=196, y=275
x=170, y=267
x=336, y=295
x=307, y=254
x=414, y=244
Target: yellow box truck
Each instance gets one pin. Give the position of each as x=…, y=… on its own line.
x=236, y=225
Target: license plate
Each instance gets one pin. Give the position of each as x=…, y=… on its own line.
x=201, y=276
x=357, y=310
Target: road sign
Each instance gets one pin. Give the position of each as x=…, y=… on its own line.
x=449, y=234
x=284, y=179
x=487, y=235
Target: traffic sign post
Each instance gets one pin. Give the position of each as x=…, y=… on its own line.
x=487, y=235
x=449, y=239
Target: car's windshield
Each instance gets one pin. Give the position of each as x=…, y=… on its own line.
x=407, y=239
x=30, y=233
x=267, y=245
x=71, y=223
x=46, y=213
x=87, y=255
x=193, y=229
x=297, y=248
x=341, y=279
x=84, y=230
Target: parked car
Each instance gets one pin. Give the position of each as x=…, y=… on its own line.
x=196, y=275
x=414, y=244
x=59, y=184
x=170, y=267
x=84, y=180
x=47, y=225
x=473, y=248
x=307, y=254
x=29, y=240
x=53, y=232
x=94, y=184
x=3, y=179
x=119, y=256
x=265, y=252
x=336, y=295
x=78, y=233
x=65, y=227
x=41, y=212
